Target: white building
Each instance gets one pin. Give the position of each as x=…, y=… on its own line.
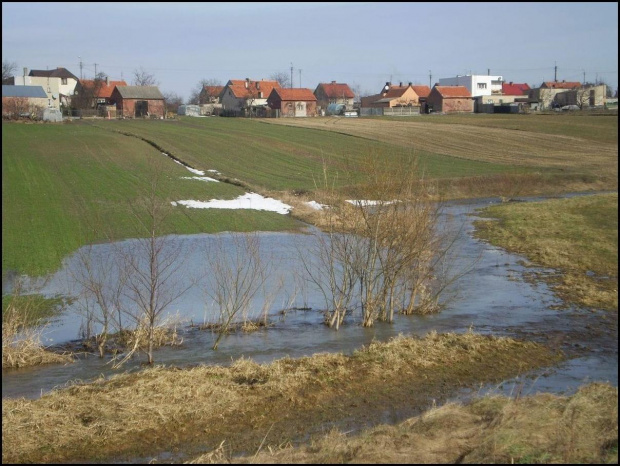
x=58, y=84
x=476, y=84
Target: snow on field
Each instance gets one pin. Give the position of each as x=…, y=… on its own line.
x=202, y=178
x=315, y=205
x=246, y=201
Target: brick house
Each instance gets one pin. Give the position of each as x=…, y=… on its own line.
x=246, y=96
x=298, y=102
x=543, y=98
x=138, y=101
x=450, y=99
x=334, y=93
x=99, y=91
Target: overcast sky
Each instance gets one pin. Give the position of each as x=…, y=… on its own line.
x=362, y=44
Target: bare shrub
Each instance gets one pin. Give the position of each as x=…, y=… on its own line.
x=236, y=274
x=21, y=333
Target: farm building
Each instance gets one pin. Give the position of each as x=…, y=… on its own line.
x=138, y=102
x=450, y=99
x=392, y=97
x=334, y=93
x=210, y=94
x=298, y=102
x=23, y=101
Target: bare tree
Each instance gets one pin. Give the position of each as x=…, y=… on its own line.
x=172, y=101
x=235, y=277
x=8, y=70
x=153, y=264
x=282, y=77
x=101, y=280
x=141, y=77
x=86, y=97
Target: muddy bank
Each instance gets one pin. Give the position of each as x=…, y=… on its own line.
x=182, y=412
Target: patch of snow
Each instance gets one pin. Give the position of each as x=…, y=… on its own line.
x=193, y=170
x=214, y=171
x=202, y=178
x=173, y=203
x=315, y=205
x=246, y=201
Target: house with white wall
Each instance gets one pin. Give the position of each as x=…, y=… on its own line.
x=59, y=84
x=476, y=84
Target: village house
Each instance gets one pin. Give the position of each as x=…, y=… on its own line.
x=543, y=97
x=98, y=91
x=334, y=93
x=247, y=97
x=299, y=102
x=477, y=84
x=23, y=101
x=59, y=84
x=392, y=97
x=450, y=99
x=138, y=102
x=210, y=94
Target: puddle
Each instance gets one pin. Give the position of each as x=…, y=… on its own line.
x=493, y=298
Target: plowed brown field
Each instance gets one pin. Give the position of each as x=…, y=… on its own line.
x=498, y=145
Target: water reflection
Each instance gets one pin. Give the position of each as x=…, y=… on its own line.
x=492, y=298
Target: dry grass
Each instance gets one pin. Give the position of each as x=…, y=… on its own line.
x=544, y=428
x=497, y=145
x=167, y=409
x=21, y=332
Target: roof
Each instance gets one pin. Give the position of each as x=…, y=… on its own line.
x=515, y=89
x=294, y=94
x=57, y=73
x=140, y=92
x=421, y=90
x=237, y=86
x=560, y=85
x=213, y=90
x=452, y=91
x=105, y=90
x=336, y=90
x=23, y=91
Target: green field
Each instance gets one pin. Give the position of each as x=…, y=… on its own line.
x=72, y=184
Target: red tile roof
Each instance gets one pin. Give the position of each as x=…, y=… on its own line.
x=515, y=89
x=105, y=91
x=337, y=90
x=237, y=86
x=560, y=85
x=295, y=94
x=452, y=91
x=422, y=91
x=395, y=92
x=213, y=90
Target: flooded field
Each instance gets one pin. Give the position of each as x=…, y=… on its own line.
x=492, y=296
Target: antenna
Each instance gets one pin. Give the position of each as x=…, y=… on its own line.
x=430, y=79
x=300, y=78
x=80, y=68
x=291, y=75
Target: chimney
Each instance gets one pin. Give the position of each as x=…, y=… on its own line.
x=333, y=82
x=410, y=83
x=247, y=82
x=107, y=81
x=400, y=84
x=257, y=85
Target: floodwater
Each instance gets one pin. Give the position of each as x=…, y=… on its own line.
x=491, y=296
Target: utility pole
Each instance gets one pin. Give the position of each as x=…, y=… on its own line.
x=555, y=75
x=291, y=75
x=300, y=78
x=430, y=79
x=584, y=76
x=80, y=68
x=95, y=70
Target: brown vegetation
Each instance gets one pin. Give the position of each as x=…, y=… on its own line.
x=544, y=428
x=196, y=409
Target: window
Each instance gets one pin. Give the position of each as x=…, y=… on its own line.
x=482, y=85
x=63, y=80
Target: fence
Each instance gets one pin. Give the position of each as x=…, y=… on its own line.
x=401, y=111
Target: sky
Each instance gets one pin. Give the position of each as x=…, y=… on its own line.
x=362, y=44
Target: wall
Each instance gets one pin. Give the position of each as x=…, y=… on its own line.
x=49, y=85
x=127, y=107
x=493, y=83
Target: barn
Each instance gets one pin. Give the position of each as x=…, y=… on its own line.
x=298, y=102
x=450, y=99
x=138, y=102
